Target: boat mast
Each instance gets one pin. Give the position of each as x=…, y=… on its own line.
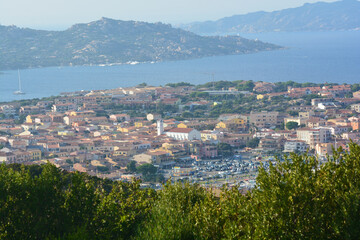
x=19, y=80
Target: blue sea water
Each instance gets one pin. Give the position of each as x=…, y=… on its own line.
x=309, y=57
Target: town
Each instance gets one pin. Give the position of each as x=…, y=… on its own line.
x=213, y=134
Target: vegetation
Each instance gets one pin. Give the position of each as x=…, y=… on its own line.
x=240, y=85
x=295, y=199
x=225, y=149
x=149, y=172
x=291, y=125
x=253, y=143
x=180, y=84
x=109, y=41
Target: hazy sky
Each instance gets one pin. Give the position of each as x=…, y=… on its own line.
x=60, y=14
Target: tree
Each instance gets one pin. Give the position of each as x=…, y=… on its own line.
x=225, y=149
x=147, y=168
x=298, y=199
x=172, y=215
x=293, y=113
x=292, y=125
x=253, y=143
x=131, y=166
x=149, y=172
x=120, y=212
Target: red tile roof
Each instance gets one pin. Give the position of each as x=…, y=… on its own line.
x=181, y=130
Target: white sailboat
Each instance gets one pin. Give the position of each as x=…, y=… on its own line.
x=19, y=92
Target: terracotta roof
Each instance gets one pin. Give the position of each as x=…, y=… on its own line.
x=181, y=130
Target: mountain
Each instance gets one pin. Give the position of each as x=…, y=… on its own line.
x=321, y=16
x=109, y=41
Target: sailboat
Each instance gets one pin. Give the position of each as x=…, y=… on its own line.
x=19, y=92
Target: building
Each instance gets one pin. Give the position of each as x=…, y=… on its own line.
x=295, y=146
x=8, y=110
x=63, y=107
x=324, y=149
x=313, y=136
x=356, y=107
x=184, y=134
x=265, y=119
x=160, y=127
x=209, y=151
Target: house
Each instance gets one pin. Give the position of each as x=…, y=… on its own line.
x=295, y=146
x=158, y=158
x=356, y=95
x=7, y=157
x=209, y=151
x=63, y=107
x=119, y=117
x=356, y=107
x=324, y=149
x=208, y=135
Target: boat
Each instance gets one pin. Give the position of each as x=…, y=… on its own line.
x=19, y=92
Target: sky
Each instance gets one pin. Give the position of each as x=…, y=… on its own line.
x=61, y=14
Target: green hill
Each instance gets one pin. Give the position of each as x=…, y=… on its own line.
x=109, y=41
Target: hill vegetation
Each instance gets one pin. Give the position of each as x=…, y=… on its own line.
x=321, y=16
x=294, y=199
x=109, y=41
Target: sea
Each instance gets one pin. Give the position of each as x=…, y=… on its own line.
x=318, y=57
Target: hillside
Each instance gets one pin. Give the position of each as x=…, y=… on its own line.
x=321, y=16
x=109, y=41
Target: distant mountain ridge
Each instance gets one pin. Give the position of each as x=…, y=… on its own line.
x=109, y=41
x=321, y=16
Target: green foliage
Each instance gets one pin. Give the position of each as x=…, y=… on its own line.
x=131, y=166
x=143, y=42
x=292, y=125
x=180, y=84
x=253, y=143
x=149, y=173
x=173, y=213
x=296, y=198
x=144, y=84
x=121, y=211
x=43, y=202
x=355, y=87
x=187, y=115
x=246, y=86
x=282, y=86
x=225, y=149
x=293, y=113
x=102, y=169
x=199, y=95
x=21, y=119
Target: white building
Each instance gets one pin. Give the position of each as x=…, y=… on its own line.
x=184, y=134
x=356, y=107
x=295, y=146
x=160, y=127
x=313, y=136
x=8, y=110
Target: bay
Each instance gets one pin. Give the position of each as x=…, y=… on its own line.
x=309, y=57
